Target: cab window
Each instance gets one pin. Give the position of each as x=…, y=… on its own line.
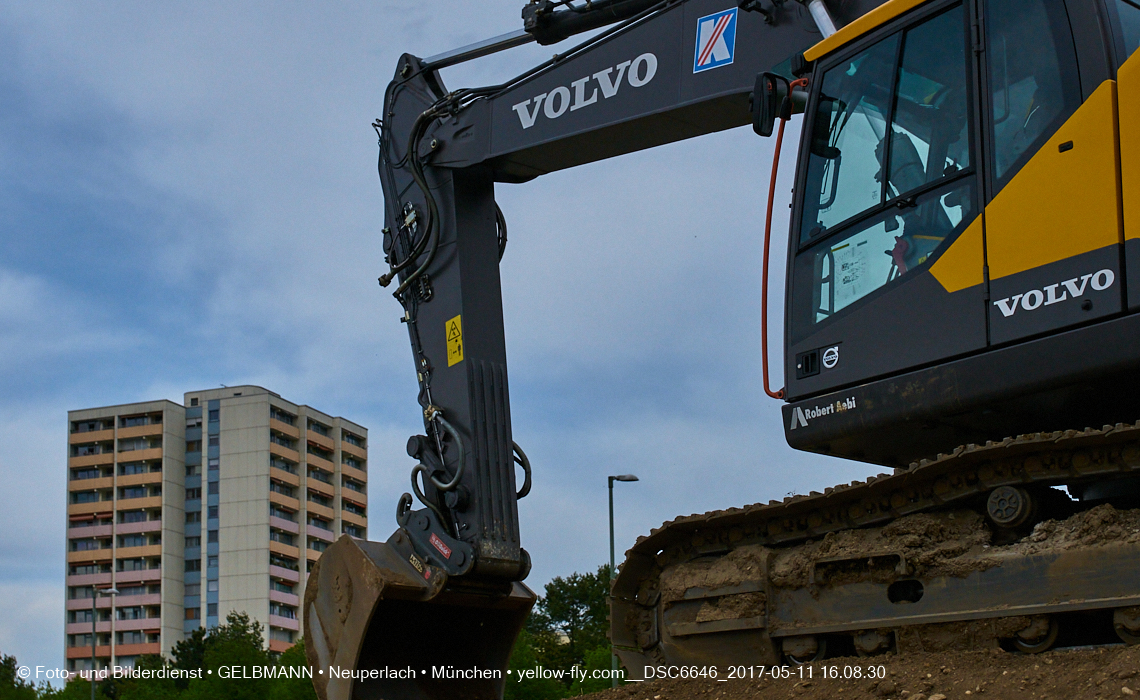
x=1129, y=12
x=890, y=161
x=1032, y=78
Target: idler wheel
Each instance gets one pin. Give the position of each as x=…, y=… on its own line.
x=1009, y=506
x=803, y=649
x=1126, y=622
x=1038, y=636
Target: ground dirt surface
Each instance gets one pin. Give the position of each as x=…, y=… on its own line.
x=1105, y=672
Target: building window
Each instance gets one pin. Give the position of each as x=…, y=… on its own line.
x=213, y=415
x=134, y=637
x=214, y=441
x=353, y=508
x=352, y=439
x=132, y=564
x=194, y=494
x=282, y=537
x=85, y=497
x=212, y=586
x=212, y=464
x=212, y=562
x=132, y=492
x=212, y=487
x=194, y=516
x=193, y=564
x=319, y=428
x=318, y=545
x=280, y=610
x=279, y=439
x=193, y=445
x=192, y=589
x=322, y=524
x=212, y=536
x=77, y=474
x=212, y=512
x=85, y=545
x=354, y=531
x=132, y=540
x=194, y=470
x=211, y=609
x=195, y=422
x=284, y=465
x=279, y=635
x=281, y=489
x=193, y=613
x=274, y=584
x=132, y=516
x=193, y=542
x=320, y=475
x=278, y=560
x=135, y=612
x=281, y=513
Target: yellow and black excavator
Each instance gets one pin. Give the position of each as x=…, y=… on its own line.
x=963, y=266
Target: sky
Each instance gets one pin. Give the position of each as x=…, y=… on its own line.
x=188, y=198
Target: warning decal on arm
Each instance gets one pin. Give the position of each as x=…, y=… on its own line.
x=454, y=341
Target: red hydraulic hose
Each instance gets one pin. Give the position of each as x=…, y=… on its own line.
x=764, y=283
x=779, y=394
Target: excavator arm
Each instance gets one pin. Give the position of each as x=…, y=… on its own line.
x=444, y=592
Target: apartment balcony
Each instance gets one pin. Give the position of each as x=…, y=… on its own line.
x=89, y=580
x=319, y=461
x=91, y=460
x=284, y=623
x=85, y=604
x=315, y=484
x=279, y=646
x=354, y=473
x=281, y=573
x=103, y=482
x=358, y=452
x=124, y=601
x=286, y=550
x=91, y=436
x=139, y=455
x=137, y=503
x=283, y=524
x=75, y=530
x=354, y=519
x=284, y=501
x=122, y=650
x=146, y=623
x=135, y=528
x=98, y=507
x=312, y=555
x=286, y=598
x=320, y=533
x=320, y=440
x=323, y=511
x=140, y=431
x=284, y=476
x=284, y=428
x=140, y=479
x=85, y=652
x=284, y=452
x=149, y=550
x=89, y=555
x=356, y=497
x=145, y=575
x=85, y=628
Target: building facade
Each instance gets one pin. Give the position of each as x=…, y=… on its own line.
x=192, y=511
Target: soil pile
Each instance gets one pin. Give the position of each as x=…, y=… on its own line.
x=1103, y=673
x=1096, y=526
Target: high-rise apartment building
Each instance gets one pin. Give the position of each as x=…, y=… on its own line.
x=192, y=511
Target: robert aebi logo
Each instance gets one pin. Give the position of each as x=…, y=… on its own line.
x=801, y=416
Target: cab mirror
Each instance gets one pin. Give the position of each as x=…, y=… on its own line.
x=769, y=100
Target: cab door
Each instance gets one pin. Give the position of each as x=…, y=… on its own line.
x=886, y=260
x=1052, y=221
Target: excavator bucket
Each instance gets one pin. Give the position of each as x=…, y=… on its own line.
x=382, y=623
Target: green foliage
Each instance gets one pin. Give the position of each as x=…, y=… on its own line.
x=567, y=628
x=294, y=688
x=12, y=687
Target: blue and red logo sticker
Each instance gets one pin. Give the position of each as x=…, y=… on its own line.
x=716, y=40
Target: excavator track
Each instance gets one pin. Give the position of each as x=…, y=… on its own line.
x=761, y=585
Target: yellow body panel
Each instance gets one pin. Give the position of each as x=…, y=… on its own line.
x=961, y=265
x=1128, y=89
x=872, y=20
x=1060, y=204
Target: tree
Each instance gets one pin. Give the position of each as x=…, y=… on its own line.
x=577, y=606
x=11, y=685
x=294, y=688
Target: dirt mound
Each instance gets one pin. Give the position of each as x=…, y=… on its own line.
x=1096, y=526
x=993, y=675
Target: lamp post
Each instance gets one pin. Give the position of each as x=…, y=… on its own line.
x=95, y=593
x=612, y=479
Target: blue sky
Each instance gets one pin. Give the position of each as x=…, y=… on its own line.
x=188, y=198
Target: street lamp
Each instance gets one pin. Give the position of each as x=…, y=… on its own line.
x=95, y=593
x=612, y=479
